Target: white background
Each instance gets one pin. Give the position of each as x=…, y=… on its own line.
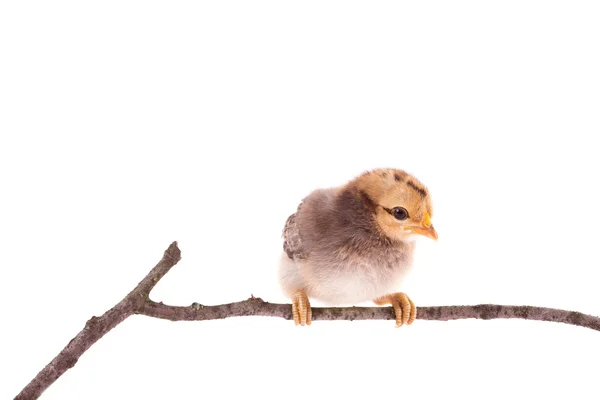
x=127, y=125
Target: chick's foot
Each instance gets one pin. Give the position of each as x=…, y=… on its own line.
x=301, y=309
x=404, y=308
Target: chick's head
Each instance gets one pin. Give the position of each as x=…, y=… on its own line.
x=400, y=203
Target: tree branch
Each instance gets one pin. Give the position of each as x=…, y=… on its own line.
x=97, y=327
x=138, y=302
x=257, y=307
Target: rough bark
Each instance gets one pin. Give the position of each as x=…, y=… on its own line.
x=97, y=327
x=257, y=307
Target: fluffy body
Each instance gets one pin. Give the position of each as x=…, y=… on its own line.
x=342, y=246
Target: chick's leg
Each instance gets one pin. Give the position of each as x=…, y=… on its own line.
x=301, y=308
x=405, y=309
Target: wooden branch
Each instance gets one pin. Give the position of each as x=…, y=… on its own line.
x=97, y=327
x=257, y=307
x=138, y=302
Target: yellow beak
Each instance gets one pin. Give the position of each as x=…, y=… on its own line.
x=425, y=229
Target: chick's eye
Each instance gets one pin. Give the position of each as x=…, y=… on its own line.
x=400, y=213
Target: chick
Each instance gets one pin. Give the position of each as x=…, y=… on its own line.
x=355, y=243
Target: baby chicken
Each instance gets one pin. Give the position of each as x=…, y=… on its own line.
x=355, y=243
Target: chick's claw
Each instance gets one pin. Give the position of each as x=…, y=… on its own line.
x=404, y=308
x=301, y=309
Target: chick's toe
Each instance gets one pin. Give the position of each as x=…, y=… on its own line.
x=301, y=309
